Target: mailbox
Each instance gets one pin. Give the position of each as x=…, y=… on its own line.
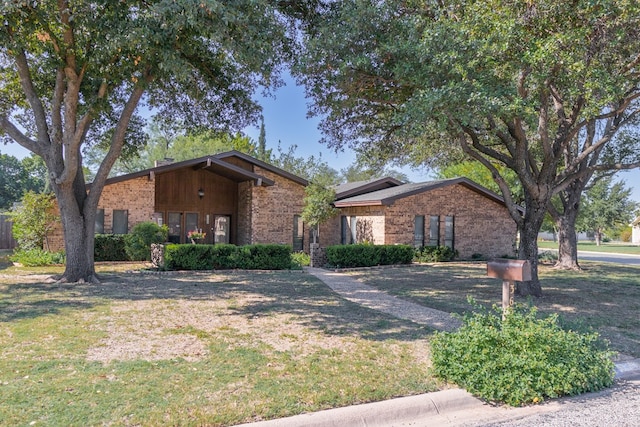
x=513, y=270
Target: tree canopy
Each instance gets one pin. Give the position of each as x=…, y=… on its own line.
x=540, y=87
x=75, y=72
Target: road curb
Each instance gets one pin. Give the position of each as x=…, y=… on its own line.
x=388, y=412
x=400, y=411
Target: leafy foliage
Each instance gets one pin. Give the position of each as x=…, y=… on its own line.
x=110, y=247
x=37, y=257
x=33, y=220
x=523, y=359
x=435, y=254
x=367, y=255
x=541, y=89
x=607, y=205
x=138, y=241
x=210, y=257
x=318, y=205
x=72, y=80
x=17, y=177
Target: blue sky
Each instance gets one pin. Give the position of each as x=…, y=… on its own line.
x=286, y=122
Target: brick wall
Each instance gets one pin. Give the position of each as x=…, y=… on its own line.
x=135, y=195
x=481, y=225
x=273, y=208
x=244, y=212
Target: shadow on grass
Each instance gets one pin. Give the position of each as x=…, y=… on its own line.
x=313, y=303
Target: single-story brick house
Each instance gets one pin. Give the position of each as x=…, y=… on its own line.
x=232, y=197
x=455, y=212
x=235, y=198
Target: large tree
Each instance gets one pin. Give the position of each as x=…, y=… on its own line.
x=522, y=84
x=74, y=71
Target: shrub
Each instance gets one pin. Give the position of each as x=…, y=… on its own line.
x=367, y=255
x=37, y=257
x=110, y=247
x=33, y=219
x=210, y=257
x=547, y=257
x=138, y=242
x=522, y=359
x=435, y=254
x=299, y=260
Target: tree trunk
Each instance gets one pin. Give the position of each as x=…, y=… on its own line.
x=78, y=223
x=598, y=236
x=528, y=247
x=567, y=241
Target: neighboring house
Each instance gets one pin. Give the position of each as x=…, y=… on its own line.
x=455, y=212
x=232, y=197
x=635, y=231
x=235, y=198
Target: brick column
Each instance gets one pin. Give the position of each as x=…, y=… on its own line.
x=318, y=255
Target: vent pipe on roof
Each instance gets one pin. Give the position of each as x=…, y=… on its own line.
x=163, y=162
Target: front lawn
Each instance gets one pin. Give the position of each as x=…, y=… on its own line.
x=196, y=349
x=604, y=296
x=610, y=247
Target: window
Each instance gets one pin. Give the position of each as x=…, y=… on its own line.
x=190, y=223
x=221, y=228
x=120, y=221
x=298, y=233
x=344, y=230
x=174, y=222
x=434, y=230
x=418, y=231
x=448, y=231
x=99, y=221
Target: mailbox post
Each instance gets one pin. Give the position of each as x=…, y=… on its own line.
x=510, y=271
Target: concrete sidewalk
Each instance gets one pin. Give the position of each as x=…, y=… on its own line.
x=454, y=407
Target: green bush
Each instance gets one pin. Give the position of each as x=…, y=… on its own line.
x=143, y=235
x=435, y=254
x=299, y=260
x=367, y=255
x=110, y=247
x=37, y=257
x=522, y=359
x=210, y=257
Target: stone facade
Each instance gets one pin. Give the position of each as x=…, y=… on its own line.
x=481, y=225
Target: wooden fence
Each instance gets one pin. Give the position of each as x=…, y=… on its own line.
x=6, y=238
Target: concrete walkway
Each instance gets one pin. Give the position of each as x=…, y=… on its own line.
x=367, y=296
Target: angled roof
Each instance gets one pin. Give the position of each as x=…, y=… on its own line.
x=356, y=188
x=218, y=164
x=387, y=196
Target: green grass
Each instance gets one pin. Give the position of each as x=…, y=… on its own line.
x=611, y=247
x=603, y=297
x=263, y=345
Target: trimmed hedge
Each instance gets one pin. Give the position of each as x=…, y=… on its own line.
x=435, y=254
x=110, y=247
x=366, y=255
x=218, y=257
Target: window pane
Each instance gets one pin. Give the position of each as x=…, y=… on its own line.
x=298, y=233
x=448, y=231
x=120, y=221
x=191, y=222
x=99, y=222
x=434, y=230
x=418, y=231
x=221, y=228
x=174, y=221
x=354, y=230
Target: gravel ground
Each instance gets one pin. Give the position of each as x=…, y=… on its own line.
x=618, y=406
